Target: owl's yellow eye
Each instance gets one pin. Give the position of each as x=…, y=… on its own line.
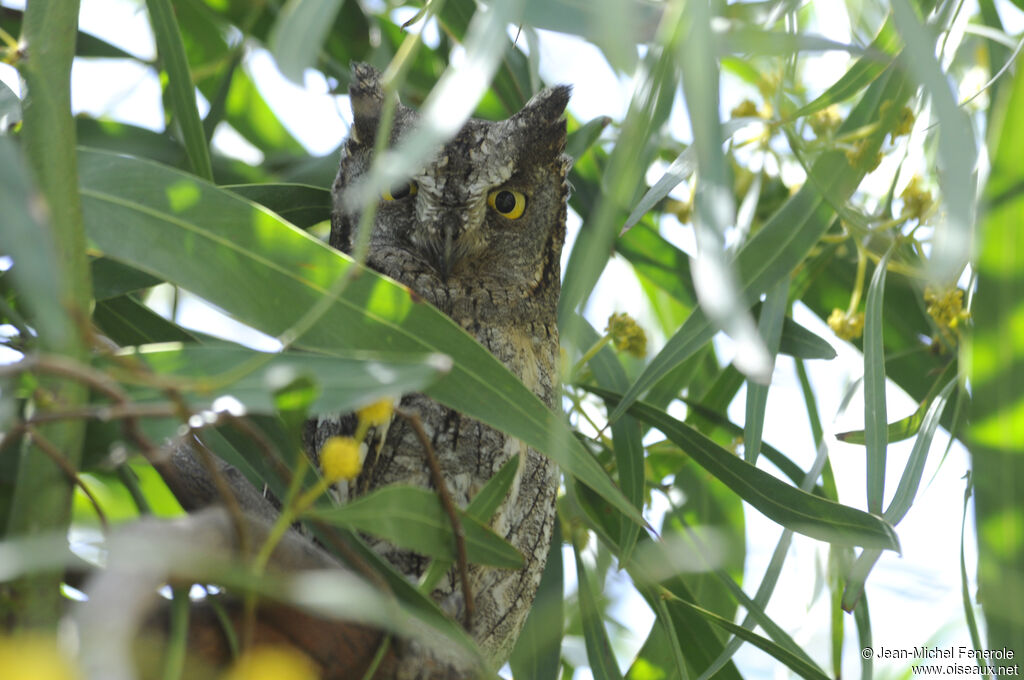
x=508, y=203
x=400, y=191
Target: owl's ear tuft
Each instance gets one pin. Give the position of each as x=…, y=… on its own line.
x=367, y=97
x=546, y=107
x=540, y=124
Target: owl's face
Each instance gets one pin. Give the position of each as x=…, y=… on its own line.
x=488, y=211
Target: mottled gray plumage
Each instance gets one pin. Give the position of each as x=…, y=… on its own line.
x=454, y=238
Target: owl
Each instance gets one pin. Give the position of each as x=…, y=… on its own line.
x=477, y=232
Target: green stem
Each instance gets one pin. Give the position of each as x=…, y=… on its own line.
x=590, y=354
x=42, y=497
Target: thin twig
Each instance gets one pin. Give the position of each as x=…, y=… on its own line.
x=449, y=507
x=47, y=447
x=209, y=462
x=107, y=413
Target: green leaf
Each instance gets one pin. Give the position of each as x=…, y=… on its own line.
x=773, y=313
x=583, y=138
x=538, y=650
x=904, y=496
x=35, y=272
x=958, y=151
x=481, y=508
x=10, y=108
x=267, y=274
x=343, y=383
x=412, y=518
x=129, y=322
x=875, y=420
x=789, y=506
x=905, y=428
x=797, y=341
x=300, y=31
x=301, y=204
x=627, y=439
x=996, y=372
x=786, y=239
x=181, y=91
x=111, y=279
x=599, y=650
x=863, y=72
x=797, y=664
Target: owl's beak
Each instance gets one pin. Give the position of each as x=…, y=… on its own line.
x=446, y=261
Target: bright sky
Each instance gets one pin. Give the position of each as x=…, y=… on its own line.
x=915, y=598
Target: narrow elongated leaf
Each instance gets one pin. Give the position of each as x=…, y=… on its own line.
x=905, y=428
x=301, y=204
x=789, y=506
x=861, y=74
x=875, y=419
x=31, y=247
x=181, y=91
x=784, y=241
x=958, y=151
x=797, y=664
x=343, y=383
x=112, y=279
x=797, y=341
x=537, y=653
x=904, y=496
x=299, y=33
x=599, y=649
x=10, y=108
x=773, y=313
x=481, y=508
x=411, y=517
x=996, y=370
x=127, y=321
x=626, y=438
x=268, y=274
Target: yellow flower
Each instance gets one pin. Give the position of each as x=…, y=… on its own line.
x=340, y=459
x=916, y=199
x=824, y=122
x=905, y=123
x=34, y=657
x=627, y=335
x=858, y=156
x=377, y=413
x=273, y=663
x=745, y=108
x=946, y=307
x=846, y=326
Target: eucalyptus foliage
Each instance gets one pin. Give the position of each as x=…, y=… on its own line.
x=886, y=202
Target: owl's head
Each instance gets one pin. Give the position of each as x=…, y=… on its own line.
x=488, y=211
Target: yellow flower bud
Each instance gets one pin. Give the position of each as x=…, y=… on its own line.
x=916, y=199
x=745, y=108
x=627, y=335
x=824, y=122
x=859, y=155
x=34, y=657
x=846, y=326
x=273, y=663
x=377, y=413
x=340, y=459
x=946, y=306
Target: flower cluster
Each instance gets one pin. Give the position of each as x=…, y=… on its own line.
x=627, y=335
x=847, y=326
x=273, y=663
x=824, y=122
x=858, y=155
x=917, y=200
x=946, y=307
